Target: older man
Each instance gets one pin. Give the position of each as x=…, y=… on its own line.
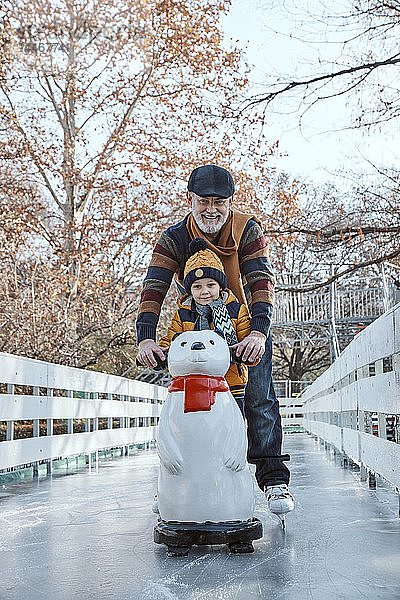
x=238, y=240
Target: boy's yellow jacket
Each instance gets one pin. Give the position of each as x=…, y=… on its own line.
x=185, y=318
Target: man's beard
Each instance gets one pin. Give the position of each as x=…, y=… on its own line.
x=210, y=227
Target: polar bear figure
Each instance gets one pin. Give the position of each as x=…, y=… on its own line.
x=202, y=441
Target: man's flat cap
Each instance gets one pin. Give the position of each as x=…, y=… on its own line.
x=210, y=180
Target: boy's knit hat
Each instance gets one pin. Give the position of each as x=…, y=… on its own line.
x=203, y=262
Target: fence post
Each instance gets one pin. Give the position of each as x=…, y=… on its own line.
x=10, y=424
x=363, y=473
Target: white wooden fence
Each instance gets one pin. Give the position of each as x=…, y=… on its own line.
x=355, y=404
x=43, y=398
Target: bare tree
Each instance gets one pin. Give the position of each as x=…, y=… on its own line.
x=318, y=225
x=299, y=361
x=365, y=67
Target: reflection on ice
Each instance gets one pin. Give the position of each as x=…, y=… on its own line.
x=90, y=537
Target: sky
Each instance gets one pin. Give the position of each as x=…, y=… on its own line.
x=269, y=31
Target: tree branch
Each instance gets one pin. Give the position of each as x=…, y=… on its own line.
x=268, y=98
x=31, y=150
x=375, y=261
x=110, y=144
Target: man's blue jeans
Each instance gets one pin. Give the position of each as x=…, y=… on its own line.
x=264, y=428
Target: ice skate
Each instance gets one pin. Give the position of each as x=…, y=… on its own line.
x=280, y=501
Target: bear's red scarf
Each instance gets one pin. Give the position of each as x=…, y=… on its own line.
x=199, y=390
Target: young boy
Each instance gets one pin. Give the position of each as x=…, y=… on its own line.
x=208, y=304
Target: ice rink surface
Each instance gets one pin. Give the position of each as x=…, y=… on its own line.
x=90, y=536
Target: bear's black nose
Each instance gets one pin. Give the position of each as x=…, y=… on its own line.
x=198, y=346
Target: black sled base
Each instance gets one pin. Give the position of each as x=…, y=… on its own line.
x=179, y=537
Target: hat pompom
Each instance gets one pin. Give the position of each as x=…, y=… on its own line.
x=196, y=245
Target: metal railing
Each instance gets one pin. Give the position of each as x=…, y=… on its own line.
x=355, y=404
x=367, y=300
x=49, y=411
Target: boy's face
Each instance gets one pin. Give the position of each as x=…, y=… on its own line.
x=205, y=290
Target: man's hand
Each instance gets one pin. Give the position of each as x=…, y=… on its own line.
x=252, y=347
x=147, y=349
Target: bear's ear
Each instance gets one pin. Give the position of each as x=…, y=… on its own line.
x=176, y=335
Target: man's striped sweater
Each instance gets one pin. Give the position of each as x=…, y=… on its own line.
x=169, y=257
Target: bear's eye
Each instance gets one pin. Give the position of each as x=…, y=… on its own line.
x=212, y=342
x=183, y=343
